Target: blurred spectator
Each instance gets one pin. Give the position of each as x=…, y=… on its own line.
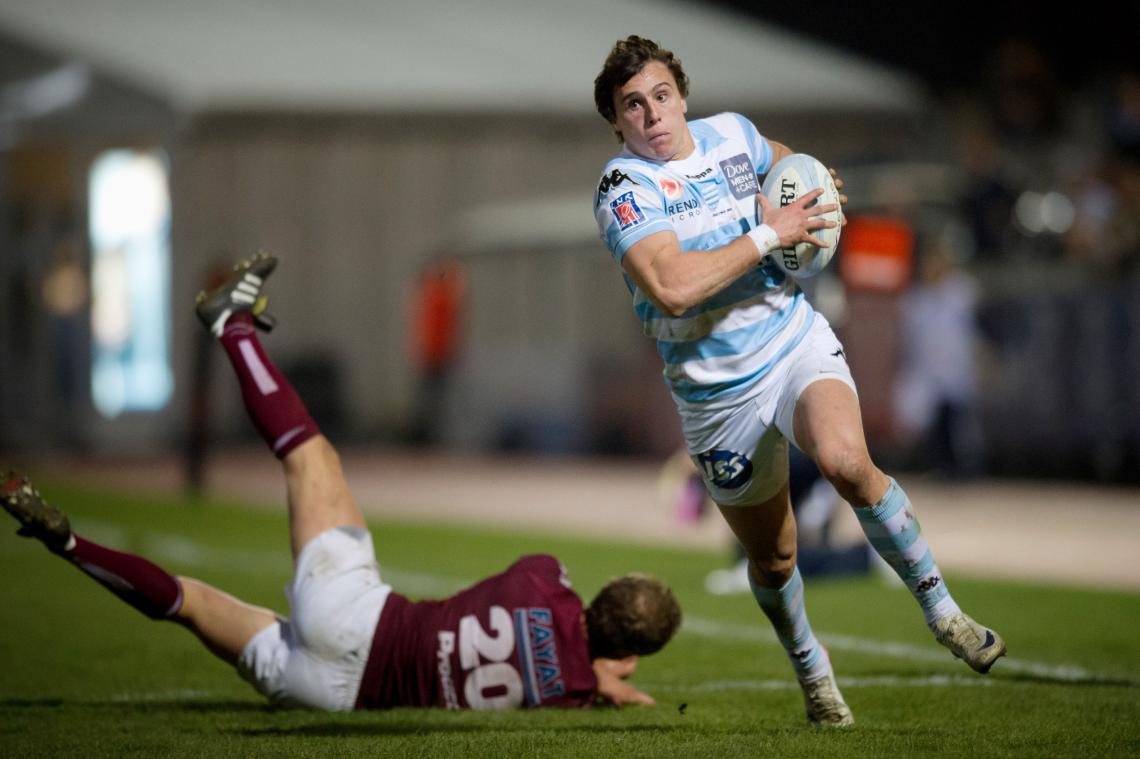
x=1124, y=116
x=991, y=191
x=437, y=306
x=65, y=299
x=1022, y=91
x=1023, y=139
x=1105, y=236
x=936, y=391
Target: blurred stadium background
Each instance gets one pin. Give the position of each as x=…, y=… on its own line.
x=145, y=144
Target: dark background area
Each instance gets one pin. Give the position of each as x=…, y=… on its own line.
x=951, y=45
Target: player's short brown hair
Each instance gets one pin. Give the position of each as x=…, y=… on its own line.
x=634, y=614
x=628, y=57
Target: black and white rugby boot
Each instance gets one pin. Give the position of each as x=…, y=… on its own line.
x=240, y=292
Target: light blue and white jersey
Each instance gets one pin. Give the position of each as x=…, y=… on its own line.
x=724, y=346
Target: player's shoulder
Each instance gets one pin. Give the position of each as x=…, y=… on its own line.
x=544, y=565
x=625, y=172
x=630, y=165
x=727, y=125
x=535, y=561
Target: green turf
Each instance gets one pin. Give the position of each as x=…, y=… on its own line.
x=84, y=675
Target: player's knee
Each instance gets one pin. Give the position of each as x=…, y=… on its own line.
x=845, y=463
x=774, y=570
x=190, y=601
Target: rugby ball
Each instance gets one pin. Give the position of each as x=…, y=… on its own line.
x=791, y=178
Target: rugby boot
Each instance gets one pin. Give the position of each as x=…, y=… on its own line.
x=240, y=292
x=37, y=519
x=825, y=704
x=974, y=644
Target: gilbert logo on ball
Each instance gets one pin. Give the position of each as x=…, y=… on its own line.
x=790, y=179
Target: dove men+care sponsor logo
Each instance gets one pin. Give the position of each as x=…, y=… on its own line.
x=741, y=176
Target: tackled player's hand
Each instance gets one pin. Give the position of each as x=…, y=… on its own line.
x=612, y=685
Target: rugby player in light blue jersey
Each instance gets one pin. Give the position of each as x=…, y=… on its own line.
x=750, y=364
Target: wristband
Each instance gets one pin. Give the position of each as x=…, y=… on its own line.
x=765, y=238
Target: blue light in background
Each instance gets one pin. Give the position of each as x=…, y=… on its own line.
x=130, y=282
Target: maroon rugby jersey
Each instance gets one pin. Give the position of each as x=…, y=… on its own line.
x=512, y=640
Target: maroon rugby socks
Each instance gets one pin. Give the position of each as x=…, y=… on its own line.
x=145, y=586
x=273, y=405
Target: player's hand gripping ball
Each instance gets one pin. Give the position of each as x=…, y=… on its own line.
x=792, y=177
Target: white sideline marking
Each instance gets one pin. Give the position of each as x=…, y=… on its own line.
x=165, y=545
x=180, y=694
x=888, y=681
x=838, y=642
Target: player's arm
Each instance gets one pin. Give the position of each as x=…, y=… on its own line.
x=612, y=685
x=779, y=151
x=675, y=281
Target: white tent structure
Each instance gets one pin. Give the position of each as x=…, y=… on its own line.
x=494, y=56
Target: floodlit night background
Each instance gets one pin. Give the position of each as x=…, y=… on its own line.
x=986, y=289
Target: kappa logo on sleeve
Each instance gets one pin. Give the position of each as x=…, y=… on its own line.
x=626, y=211
x=741, y=176
x=610, y=182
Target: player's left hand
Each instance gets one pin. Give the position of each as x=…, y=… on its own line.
x=612, y=685
x=842, y=197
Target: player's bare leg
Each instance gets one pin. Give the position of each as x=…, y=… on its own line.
x=319, y=498
x=767, y=532
x=223, y=623
x=829, y=428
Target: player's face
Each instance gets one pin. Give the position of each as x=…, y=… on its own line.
x=651, y=115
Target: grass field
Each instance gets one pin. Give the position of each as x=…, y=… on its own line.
x=85, y=675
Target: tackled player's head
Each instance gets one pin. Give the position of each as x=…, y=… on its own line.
x=629, y=57
x=632, y=615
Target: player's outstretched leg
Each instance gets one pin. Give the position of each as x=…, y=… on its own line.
x=319, y=498
x=893, y=529
x=223, y=623
x=829, y=424
x=143, y=585
x=230, y=312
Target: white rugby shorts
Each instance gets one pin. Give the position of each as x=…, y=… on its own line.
x=316, y=657
x=741, y=449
